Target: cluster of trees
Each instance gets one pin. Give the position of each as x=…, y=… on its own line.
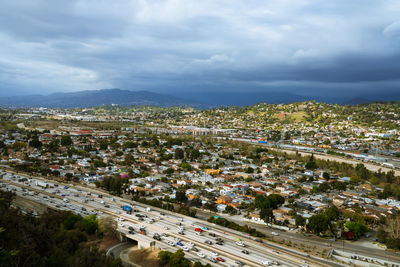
x=266, y=204
x=114, y=185
x=389, y=232
x=55, y=239
x=328, y=221
x=232, y=225
x=177, y=259
x=322, y=222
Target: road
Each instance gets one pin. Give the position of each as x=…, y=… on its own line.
x=85, y=201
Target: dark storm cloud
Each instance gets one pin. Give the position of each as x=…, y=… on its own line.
x=304, y=46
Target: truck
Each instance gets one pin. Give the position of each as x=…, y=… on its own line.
x=127, y=208
x=42, y=184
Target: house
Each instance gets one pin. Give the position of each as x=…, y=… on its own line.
x=224, y=200
x=367, y=187
x=256, y=218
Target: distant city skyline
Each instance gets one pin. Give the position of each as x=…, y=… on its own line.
x=332, y=49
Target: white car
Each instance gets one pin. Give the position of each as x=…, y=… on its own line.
x=190, y=244
x=275, y=233
x=201, y=255
x=171, y=243
x=240, y=243
x=185, y=248
x=214, y=253
x=121, y=219
x=266, y=262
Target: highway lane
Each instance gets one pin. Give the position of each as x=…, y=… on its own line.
x=82, y=194
x=94, y=206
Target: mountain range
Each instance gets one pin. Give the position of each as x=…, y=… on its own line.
x=91, y=98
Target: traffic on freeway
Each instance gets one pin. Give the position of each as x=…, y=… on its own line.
x=200, y=241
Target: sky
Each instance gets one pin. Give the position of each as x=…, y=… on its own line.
x=316, y=48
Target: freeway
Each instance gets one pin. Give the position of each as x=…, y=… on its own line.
x=87, y=201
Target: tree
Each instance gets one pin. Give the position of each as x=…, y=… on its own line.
x=103, y=145
x=180, y=196
x=178, y=259
x=35, y=143
x=90, y=224
x=186, y=166
x=164, y=257
x=179, y=153
x=318, y=223
x=66, y=140
x=108, y=226
x=249, y=170
x=332, y=213
x=230, y=209
x=326, y=175
x=169, y=171
x=300, y=221
x=129, y=144
x=267, y=215
x=194, y=154
x=358, y=228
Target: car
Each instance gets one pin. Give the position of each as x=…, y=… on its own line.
x=205, y=228
x=185, y=248
x=266, y=262
x=219, y=243
x=208, y=242
x=239, y=263
x=179, y=243
x=258, y=240
x=240, y=243
x=190, y=244
x=171, y=243
x=130, y=228
x=212, y=234
x=275, y=233
x=201, y=255
x=213, y=259
x=220, y=259
x=131, y=232
x=164, y=234
x=194, y=249
x=214, y=253
x=166, y=227
x=181, y=233
x=245, y=251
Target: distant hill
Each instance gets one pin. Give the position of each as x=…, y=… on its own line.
x=357, y=101
x=91, y=98
x=243, y=98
